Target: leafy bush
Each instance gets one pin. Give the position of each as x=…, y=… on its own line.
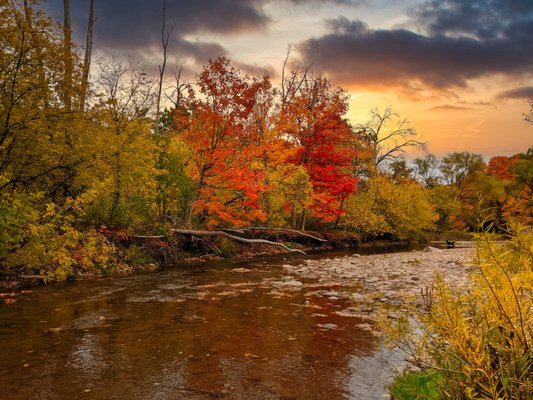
x=48, y=244
x=480, y=341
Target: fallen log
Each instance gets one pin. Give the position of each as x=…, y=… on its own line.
x=236, y=238
x=148, y=236
x=23, y=276
x=264, y=228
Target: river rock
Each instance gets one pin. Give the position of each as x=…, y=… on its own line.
x=291, y=284
x=431, y=249
x=327, y=326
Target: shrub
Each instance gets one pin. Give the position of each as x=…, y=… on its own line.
x=480, y=341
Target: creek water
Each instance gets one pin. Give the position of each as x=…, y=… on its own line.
x=220, y=330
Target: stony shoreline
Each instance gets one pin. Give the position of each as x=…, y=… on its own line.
x=398, y=279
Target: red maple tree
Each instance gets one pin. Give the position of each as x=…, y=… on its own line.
x=314, y=120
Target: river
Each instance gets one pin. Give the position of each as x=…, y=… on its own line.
x=251, y=330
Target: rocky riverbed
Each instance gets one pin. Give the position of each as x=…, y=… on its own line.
x=366, y=281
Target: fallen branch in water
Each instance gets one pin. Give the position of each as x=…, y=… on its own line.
x=233, y=237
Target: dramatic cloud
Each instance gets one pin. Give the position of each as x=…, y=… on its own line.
x=449, y=107
x=134, y=26
x=452, y=48
x=483, y=19
x=525, y=92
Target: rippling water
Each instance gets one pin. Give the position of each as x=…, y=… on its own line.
x=222, y=330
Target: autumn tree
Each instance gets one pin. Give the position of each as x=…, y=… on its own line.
x=500, y=167
x=34, y=134
x=516, y=174
x=480, y=194
x=125, y=163
x=45, y=148
x=313, y=118
x=383, y=208
x=399, y=170
x=218, y=127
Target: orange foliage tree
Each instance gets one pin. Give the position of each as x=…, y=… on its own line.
x=516, y=173
x=501, y=167
x=221, y=129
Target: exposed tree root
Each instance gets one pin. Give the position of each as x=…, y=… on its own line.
x=261, y=228
x=234, y=237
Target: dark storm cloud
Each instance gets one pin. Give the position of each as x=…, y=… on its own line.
x=344, y=2
x=453, y=48
x=525, y=92
x=201, y=52
x=133, y=26
x=484, y=19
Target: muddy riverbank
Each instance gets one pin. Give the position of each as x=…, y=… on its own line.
x=148, y=254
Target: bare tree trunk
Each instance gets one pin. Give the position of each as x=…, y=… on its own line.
x=67, y=38
x=165, y=36
x=87, y=59
x=28, y=14
x=190, y=209
x=337, y=220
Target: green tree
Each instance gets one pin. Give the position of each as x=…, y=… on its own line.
x=427, y=170
x=456, y=168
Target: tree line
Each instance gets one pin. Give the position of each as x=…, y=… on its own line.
x=83, y=161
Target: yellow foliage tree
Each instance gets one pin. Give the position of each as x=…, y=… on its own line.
x=402, y=210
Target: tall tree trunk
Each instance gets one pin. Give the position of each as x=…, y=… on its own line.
x=165, y=36
x=304, y=215
x=195, y=195
x=34, y=38
x=190, y=210
x=87, y=59
x=337, y=220
x=67, y=38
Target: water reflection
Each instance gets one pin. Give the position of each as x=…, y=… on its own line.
x=235, y=332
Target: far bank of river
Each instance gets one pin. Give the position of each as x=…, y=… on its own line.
x=293, y=328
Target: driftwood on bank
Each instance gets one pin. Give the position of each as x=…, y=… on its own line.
x=234, y=237
x=148, y=236
x=264, y=228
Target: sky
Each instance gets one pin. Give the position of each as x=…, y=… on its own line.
x=461, y=71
